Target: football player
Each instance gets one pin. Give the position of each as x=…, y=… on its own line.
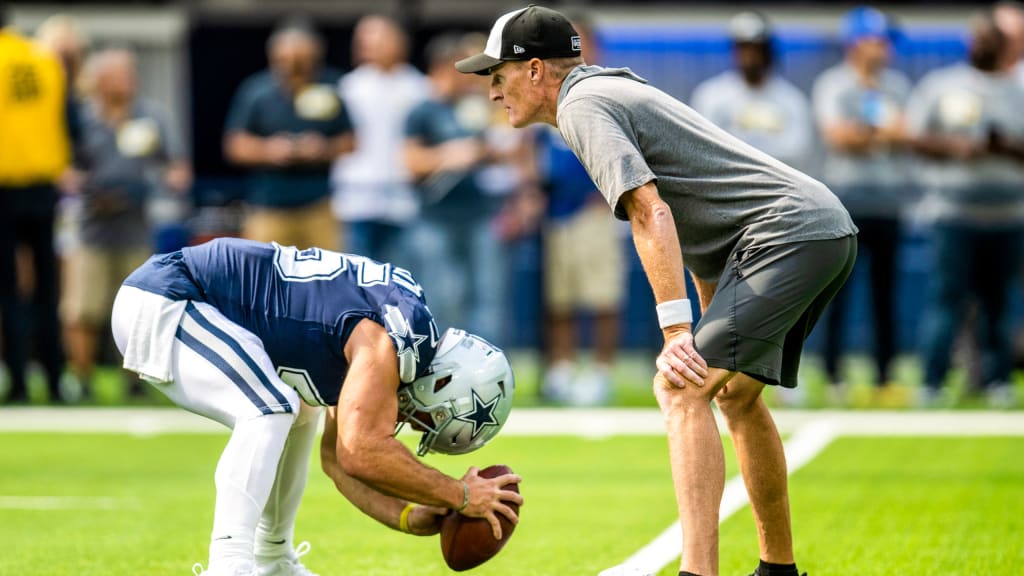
x=259, y=336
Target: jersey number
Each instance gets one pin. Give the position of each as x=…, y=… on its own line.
x=294, y=265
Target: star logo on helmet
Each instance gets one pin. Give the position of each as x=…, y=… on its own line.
x=482, y=414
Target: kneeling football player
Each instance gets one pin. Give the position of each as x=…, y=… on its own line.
x=259, y=336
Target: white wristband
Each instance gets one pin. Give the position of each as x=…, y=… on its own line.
x=674, y=312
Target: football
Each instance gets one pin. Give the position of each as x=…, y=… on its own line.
x=468, y=542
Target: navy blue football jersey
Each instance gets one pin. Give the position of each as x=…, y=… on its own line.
x=302, y=304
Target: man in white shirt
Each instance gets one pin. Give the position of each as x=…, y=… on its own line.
x=372, y=195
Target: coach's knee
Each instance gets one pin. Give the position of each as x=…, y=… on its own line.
x=673, y=400
x=739, y=396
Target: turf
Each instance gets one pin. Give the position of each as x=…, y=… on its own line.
x=590, y=503
x=864, y=506
x=897, y=506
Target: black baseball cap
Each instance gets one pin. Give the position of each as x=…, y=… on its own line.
x=531, y=32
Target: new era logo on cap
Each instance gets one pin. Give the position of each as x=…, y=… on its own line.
x=531, y=32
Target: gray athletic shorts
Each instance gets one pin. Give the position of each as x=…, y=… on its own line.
x=768, y=300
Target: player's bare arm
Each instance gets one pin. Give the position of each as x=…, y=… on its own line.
x=654, y=234
x=421, y=520
x=367, y=450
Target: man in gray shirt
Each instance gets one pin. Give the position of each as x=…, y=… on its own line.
x=859, y=106
x=767, y=246
x=966, y=121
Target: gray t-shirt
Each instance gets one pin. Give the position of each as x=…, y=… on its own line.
x=123, y=168
x=725, y=195
x=962, y=101
x=870, y=184
x=774, y=117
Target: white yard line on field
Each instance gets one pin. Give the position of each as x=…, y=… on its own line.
x=583, y=422
x=806, y=443
x=64, y=503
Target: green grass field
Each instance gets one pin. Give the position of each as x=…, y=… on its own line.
x=863, y=506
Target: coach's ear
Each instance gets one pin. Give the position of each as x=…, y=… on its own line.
x=536, y=69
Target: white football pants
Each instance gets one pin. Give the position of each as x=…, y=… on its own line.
x=221, y=371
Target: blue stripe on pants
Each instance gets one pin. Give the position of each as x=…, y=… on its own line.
x=224, y=366
x=196, y=315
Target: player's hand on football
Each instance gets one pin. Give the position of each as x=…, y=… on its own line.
x=679, y=363
x=426, y=520
x=487, y=498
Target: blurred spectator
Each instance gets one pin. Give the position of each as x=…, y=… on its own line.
x=373, y=195
x=62, y=35
x=1010, y=19
x=127, y=153
x=462, y=261
x=287, y=125
x=966, y=121
x=584, y=265
x=753, y=102
x=859, y=105
x=34, y=152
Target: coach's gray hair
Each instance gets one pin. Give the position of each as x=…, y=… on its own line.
x=560, y=67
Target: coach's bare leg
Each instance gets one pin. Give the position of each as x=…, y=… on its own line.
x=698, y=466
x=763, y=464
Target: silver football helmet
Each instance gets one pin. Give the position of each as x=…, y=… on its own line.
x=465, y=398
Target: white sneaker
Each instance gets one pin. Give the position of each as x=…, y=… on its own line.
x=592, y=388
x=1001, y=396
x=287, y=565
x=244, y=569
x=557, y=383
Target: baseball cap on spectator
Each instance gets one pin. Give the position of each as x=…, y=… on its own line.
x=750, y=27
x=531, y=32
x=866, y=22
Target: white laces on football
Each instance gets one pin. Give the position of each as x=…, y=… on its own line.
x=197, y=569
x=302, y=549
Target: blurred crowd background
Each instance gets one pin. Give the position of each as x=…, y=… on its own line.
x=141, y=127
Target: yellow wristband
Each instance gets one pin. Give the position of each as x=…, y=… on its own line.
x=403, y=518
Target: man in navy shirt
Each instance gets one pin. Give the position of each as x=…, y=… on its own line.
x=258, y=336
x=286, y=126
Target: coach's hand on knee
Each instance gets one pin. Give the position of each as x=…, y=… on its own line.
x=679, y=363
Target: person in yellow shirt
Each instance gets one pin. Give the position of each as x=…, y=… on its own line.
x=34, y=151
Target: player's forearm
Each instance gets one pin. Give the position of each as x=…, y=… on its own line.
x=387, y=466
x=657, y=243
x=381, y=507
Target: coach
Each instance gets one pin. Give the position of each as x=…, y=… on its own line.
x=767, y=245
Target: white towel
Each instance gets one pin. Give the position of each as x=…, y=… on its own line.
x=152, y=322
